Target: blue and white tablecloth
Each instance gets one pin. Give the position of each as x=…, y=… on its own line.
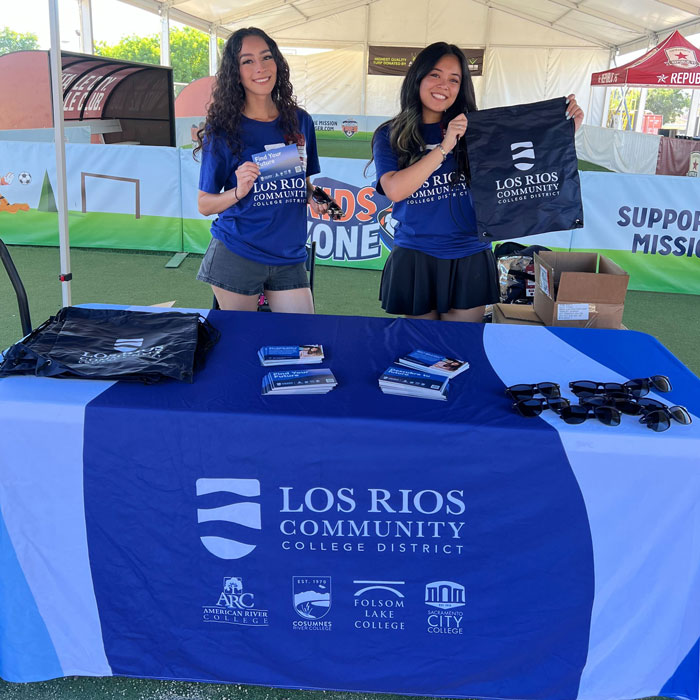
x=356, y=540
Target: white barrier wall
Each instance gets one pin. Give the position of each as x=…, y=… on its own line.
x=141, y=197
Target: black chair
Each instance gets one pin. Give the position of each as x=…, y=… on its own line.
x=310, y=265
x=12, y=273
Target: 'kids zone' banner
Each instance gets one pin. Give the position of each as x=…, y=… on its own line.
x=144, y=198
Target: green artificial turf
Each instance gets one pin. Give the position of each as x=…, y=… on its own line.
x=129, y=277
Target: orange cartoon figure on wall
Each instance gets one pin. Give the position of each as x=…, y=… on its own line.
x=4, y=204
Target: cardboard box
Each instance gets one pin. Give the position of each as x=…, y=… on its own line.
x=579, y=290
x=523, y=314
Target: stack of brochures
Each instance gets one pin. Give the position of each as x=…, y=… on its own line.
x=433, y=363
x=405, y=381
x=290, y=354
x=298, y=381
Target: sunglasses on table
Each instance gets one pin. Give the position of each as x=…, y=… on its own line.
x=575, y=414
x=530, y=408
x=659, y=419
x=654, y=414
x=320, y=196
x=518, y=392
x=635, y=387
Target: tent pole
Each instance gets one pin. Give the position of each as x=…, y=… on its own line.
x=365, y=65
x=60, y=148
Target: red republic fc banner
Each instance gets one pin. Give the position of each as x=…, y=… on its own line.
x=675, y=62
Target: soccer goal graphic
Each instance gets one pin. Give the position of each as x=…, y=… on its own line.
x=135, y=181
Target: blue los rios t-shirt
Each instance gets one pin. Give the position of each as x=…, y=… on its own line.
x=269, y=224
x=439, y=218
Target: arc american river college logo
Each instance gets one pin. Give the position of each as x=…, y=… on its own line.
x=245, y=513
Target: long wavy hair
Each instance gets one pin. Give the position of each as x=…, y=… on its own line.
x=404, y=128
x=228, y=97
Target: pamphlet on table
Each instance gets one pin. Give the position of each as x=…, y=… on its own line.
x=299, y=381
x=270, y=355
x=433, y=363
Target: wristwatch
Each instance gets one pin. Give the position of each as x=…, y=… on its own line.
x=443, y=151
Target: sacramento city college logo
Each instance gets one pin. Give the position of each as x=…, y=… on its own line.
x=243, y=513
x=311, y=596
x=444, y=598
x=523, y=155
x=235, y=606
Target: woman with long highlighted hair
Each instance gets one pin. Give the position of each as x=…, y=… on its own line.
x=259, y=237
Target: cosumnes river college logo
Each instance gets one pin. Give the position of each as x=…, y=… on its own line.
x=311, y=596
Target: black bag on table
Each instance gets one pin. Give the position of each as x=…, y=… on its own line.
x=113, y=344
x=524, y=170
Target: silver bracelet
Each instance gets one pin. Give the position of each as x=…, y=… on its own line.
x=443, y=151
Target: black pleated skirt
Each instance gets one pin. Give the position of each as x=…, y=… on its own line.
x=415, y=283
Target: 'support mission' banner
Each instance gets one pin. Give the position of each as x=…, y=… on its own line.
x=648, y=224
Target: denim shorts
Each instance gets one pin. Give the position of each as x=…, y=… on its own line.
x=222, y=268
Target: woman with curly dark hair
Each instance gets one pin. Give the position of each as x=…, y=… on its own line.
x=259, y=238
x=438, y=267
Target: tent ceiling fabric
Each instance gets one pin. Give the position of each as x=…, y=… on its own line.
x=626, y=24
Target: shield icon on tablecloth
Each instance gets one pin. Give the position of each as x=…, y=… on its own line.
x=694, y=164
x=311, y=596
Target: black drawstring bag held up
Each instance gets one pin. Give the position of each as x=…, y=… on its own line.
x=113, y=344
x=524, y=170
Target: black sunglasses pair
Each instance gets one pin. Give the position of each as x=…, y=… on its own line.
x=322, y=197
x=634, y=387
x=654, y=414
x=531, y=408
x=518, y=392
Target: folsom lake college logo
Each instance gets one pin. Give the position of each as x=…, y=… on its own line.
x=245, y=513
x=379, y=605
x=523, y=155
x=444, y=598
x=235, y=606
x=311, y=597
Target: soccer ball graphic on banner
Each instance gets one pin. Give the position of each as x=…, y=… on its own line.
x=24, y=178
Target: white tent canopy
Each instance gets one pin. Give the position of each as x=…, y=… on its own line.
x=533, y=49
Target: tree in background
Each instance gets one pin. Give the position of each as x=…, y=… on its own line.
x=669, y=102
x=13, y=41
x=142, y=49
x=189, y=52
